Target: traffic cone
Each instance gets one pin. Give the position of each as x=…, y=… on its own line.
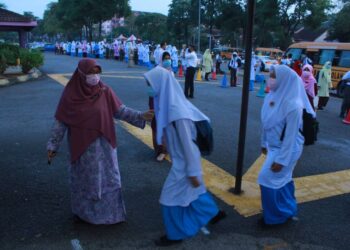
x=213, y=75
x=347, y=119
x=224, y=81
x=261, y=79
x=181, y=73
x=261, y=92
x=199, y=75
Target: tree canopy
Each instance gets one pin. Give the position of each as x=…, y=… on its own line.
x=340, y=28
x=69, y=17
x=276, y=21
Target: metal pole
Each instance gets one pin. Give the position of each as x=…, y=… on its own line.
x=245, y=95
x=210, y=42
x=199, y=26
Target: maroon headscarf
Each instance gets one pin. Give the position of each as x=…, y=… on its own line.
x=87, y=110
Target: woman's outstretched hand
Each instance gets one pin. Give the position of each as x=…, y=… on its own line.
x=148, y=115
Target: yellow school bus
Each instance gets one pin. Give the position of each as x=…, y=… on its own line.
x=273, y=53
x=320, y=53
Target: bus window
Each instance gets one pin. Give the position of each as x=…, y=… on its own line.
x=337, y=57
x=313, y=55
x=326, y=55
x=345, y=59
x=296, y=53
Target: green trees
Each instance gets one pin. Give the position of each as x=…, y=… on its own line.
x=151, y=26
x=340, y=28
x=276, y=21
x=179, y=20
x=70, y=17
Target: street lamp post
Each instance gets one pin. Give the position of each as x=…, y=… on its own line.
x=199, y=26
x=245, y=96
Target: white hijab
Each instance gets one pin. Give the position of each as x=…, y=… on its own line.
x=288, y=96
x=170, y=103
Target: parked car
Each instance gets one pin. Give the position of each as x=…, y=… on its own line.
x=49, y=47
x=36, y=45
x=268, y=62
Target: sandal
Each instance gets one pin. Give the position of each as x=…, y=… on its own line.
x=218, y=217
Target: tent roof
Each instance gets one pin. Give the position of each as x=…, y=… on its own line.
x=121, y=37
x=132, y=38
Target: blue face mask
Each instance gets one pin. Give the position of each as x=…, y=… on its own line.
x=166, y=63
x=151, y=92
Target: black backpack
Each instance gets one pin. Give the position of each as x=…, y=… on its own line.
x=239, y=62
x=310, y=129
x=262, y=67
x=204, y=140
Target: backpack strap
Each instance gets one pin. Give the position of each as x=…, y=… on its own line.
x=174, y=125
x=284, y=132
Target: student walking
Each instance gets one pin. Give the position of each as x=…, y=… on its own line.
x=324, y=84
x=207, y=64
x=282, y=142
x=186, y=204
x=310, y=83
x=345, y=90
x=191, y=59
x=233, y=66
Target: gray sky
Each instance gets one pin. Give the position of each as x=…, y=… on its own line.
x=38, y=6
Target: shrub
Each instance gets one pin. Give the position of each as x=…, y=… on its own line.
x=3, y=63
x=10, y=52
x=30, y=59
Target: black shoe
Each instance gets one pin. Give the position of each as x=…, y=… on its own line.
x=191, y=96
x=319, y=108
x=77, y=220
x=165, y=242
x=263, y=224
x=218, y=217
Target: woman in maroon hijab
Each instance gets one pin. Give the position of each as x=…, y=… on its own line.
x=87, y=109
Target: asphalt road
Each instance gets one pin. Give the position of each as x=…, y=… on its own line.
x=35, y=201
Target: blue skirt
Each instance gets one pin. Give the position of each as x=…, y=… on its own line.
x=278, y=204
x=184, y=222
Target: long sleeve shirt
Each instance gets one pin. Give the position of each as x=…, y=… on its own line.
x=285, y=152
x=186, y=162
x=191, y=58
